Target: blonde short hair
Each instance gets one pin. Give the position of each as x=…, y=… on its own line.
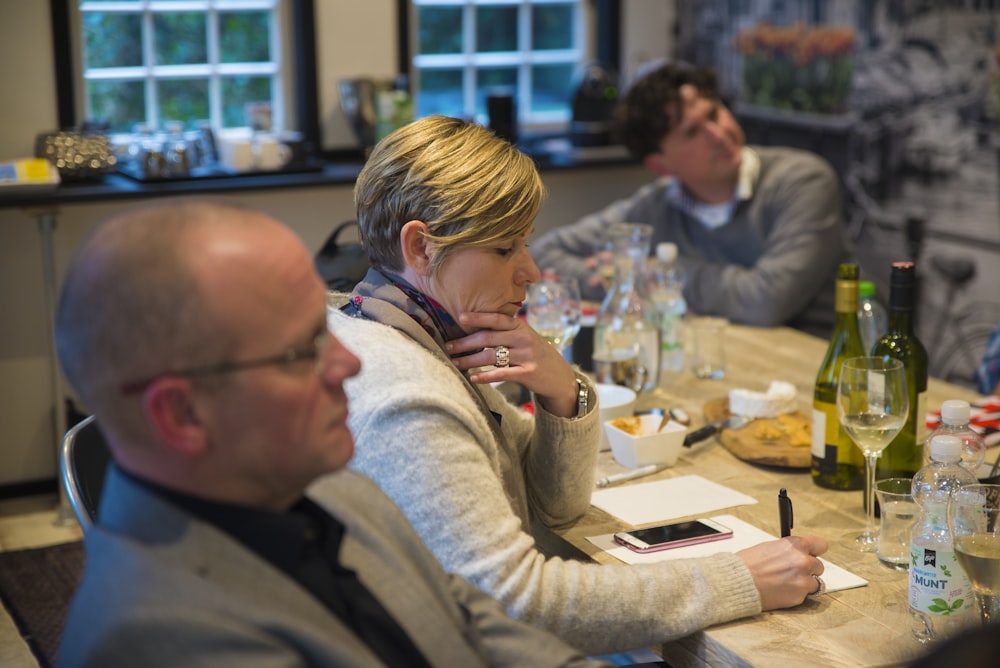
x=470, y=187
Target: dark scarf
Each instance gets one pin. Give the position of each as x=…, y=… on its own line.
x=385, y=286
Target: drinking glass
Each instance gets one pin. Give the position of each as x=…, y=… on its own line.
x=554, y=310
x=974, y=523
x=872, y=405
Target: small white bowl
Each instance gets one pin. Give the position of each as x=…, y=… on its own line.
x=648, y=446
x=613, y=401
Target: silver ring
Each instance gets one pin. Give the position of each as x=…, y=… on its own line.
x=502, y=356
x=821, y=589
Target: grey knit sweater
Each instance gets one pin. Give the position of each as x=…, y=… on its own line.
x=425, y=439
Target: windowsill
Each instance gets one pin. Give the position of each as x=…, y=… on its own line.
x=340, y=168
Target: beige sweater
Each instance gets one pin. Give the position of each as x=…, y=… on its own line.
x=421, y=435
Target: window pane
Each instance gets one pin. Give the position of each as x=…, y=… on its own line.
x=236, y=92
x=179, y=38
x=502, y=81
x=112, y=40
x=121, y=104
x=496, y=29
x=440, y=93
x=183, y=99
x=440, y=29
x=244, y=37
x=552, y=27
x=550, y=87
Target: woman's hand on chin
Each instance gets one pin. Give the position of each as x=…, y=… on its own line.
x=531, y=360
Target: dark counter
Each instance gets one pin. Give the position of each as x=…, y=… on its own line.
x=551, y=154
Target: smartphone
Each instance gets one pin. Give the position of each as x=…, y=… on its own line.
x=678, y=534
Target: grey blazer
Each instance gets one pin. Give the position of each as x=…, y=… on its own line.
x=161, y=588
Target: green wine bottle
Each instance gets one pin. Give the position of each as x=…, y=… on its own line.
x=904, y=455
x=837, y=463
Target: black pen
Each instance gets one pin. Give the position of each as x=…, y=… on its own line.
x=785, y=512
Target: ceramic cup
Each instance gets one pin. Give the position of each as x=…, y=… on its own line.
x=272, y=154
x=613, y=401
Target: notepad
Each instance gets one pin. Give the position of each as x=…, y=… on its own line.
x=664, y=500
x=744, y=535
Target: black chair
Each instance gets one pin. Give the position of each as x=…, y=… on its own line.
x=342, y=264
x=83, y=463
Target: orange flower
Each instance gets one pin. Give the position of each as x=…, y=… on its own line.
x=797, y=42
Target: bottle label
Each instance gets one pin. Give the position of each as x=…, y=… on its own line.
x=825, y=445
x=819, y=438
x=938, y=585
x=846, y=296
x=921, y=423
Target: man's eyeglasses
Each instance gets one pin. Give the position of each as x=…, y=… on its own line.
x=308, y=352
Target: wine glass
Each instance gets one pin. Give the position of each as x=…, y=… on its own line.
x=872, y=404
x=554, y=310
x=974, y=523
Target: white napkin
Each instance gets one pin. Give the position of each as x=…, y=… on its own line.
x=665, y=500
x=744, y=535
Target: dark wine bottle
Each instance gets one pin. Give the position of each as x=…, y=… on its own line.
x=903, y=457
x=837, y=463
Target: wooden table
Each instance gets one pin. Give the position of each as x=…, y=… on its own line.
x=866, y=626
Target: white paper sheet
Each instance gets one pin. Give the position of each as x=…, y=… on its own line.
x=744, y=535
x=664, y=500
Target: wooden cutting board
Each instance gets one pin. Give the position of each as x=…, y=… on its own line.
x=782, y=441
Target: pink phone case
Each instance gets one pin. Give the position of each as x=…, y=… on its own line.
x=675, y=543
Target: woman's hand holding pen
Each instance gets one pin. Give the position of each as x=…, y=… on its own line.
x=532, y=361
x=785, y=571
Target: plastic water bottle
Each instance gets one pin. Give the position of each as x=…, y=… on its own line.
x=667, y=293
x=873, y=321
x=955, y=415
x=940, y=594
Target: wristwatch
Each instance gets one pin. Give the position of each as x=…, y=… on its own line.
x=582, y=397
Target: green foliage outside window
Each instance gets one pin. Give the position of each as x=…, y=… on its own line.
x=244, y=37
x=440, y=30
x=121, y=104
x=551, y=87
x=496, y=29
x=551, y=27
x=237, y=92
x=183, y=99
x=179, y=38
x=112, y=40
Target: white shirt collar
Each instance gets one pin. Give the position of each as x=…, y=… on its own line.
x=714, y=216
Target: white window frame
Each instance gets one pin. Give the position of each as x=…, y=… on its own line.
x=278, y=68
x=469, y=61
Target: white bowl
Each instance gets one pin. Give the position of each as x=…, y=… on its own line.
x=648, y=446
x=613, y=401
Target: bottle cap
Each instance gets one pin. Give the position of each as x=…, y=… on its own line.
x=946, y=448
x=955, y=411
x=866, y=289
x=666, y=251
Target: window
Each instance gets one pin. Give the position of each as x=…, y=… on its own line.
x=462, y=50
x=155, y=61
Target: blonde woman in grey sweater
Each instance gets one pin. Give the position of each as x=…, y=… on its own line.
x=445, y=210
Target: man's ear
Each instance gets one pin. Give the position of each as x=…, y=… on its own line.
x=170, y=407
x=655, y=163
x=413, y=242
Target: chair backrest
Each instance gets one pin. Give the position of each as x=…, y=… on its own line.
x=83, y=462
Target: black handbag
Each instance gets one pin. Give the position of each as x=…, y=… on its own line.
x=342, y=265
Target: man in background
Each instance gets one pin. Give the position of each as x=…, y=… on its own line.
x=759, y=230
x=196, y=332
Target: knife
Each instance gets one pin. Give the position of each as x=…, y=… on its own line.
x=699, y=435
